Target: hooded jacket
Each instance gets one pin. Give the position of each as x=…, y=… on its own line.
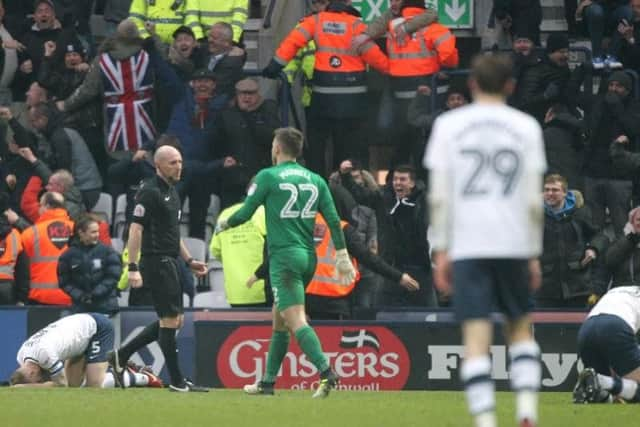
x=403, y=228
x=567, y=234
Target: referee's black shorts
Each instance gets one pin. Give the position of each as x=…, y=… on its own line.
x=160, y=275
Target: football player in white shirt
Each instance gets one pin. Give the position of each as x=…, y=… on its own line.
x=608, y=348
x=73, y=352
x=486, y=163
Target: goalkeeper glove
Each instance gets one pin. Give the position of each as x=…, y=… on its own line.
x=344, y=267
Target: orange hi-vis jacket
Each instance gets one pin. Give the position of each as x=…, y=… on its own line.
x=325, y=282
x=12, y=246
x=339, y=85
x=43, y=243
x=421, y=55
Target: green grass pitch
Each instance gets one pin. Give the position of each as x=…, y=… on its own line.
x=229, y=408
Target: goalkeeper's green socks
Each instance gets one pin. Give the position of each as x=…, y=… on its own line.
x=277, y=350
x=310, y=345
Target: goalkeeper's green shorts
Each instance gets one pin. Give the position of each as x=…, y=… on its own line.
x=290, y=272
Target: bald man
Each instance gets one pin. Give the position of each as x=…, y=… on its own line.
x=154, y=235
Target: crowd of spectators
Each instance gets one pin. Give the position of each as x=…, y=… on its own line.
x=81, y=116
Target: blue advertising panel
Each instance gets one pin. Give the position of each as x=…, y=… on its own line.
x=12, y=335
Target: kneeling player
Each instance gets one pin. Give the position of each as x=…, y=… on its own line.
x=608, y=347
x=71, y=352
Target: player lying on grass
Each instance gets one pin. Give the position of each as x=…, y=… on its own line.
x=72, y=352
x=608, y=348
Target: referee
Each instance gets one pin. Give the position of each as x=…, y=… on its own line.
x=155, y=232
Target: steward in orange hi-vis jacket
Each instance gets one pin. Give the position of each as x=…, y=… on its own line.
x=339, y=90
x=43, y=243
x=418, y=57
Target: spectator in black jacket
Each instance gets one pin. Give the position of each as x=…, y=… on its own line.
x=612, y=116
x=623, y=256
x=402, y=226
x=244, y=132
x=547, y=82
x=225, y=59
x=626, y=41
x=564, y=145
x=571, y=246
x=62, y=71
x=89, y=271
x=46, y=27
x=356, y=194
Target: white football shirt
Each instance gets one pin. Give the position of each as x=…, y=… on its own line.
x=624, y=302
x=486, y=150
x=58, y=341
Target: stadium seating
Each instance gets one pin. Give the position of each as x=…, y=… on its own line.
x=215, y=276
x=211, y=299
x=120, y=219
x=117, y=244
x=123, y=299
x=104, y=207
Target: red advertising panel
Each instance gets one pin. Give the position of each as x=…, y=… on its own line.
x=365, y=358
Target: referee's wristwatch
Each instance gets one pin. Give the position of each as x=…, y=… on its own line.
x=133, y=266
x=190, y=261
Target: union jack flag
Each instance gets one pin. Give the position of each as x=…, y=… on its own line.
x=128, y=92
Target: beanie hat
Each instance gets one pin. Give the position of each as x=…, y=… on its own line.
x=523, y=32
x=623, y=78
x=74, y=46
x=556, y=42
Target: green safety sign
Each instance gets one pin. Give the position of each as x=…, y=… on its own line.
x=452, y=13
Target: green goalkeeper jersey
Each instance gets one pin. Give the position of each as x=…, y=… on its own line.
x=292, y=196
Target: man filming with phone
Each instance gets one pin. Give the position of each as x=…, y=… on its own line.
x=626, y=41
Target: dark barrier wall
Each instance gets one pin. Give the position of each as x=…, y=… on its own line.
x=229, y=349
x=369, y=356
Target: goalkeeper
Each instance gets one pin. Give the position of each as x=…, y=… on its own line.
x=292, y=195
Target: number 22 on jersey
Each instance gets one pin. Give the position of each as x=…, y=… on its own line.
x=302, y=191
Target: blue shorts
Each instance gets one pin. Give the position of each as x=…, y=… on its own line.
x=607, y=342
x=102, y=342
x=481, y=286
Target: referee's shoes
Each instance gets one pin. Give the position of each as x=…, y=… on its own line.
x=188, y=386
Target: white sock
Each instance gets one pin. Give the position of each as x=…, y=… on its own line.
x=629, y=389
x=140, y=380
x=486, y=419
x=605, y=381
x=109, y=381
x=479, y=388
x=526, y=375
